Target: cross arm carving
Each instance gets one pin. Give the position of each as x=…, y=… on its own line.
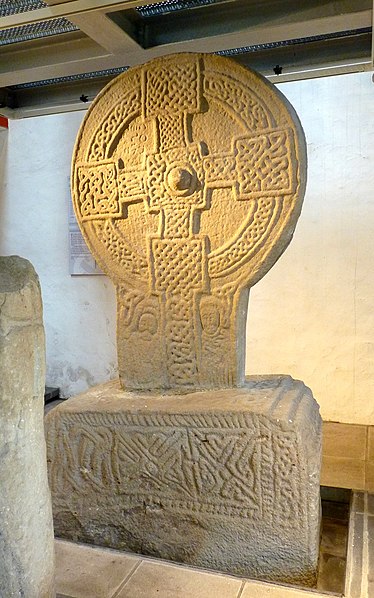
x=102, y=189
x=260, y=165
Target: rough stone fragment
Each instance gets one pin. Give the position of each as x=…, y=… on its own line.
x=26, y=531
x=224, y=479
x=188, y=178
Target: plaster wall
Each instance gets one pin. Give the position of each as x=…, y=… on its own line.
x=312, y=315
x=79, y=312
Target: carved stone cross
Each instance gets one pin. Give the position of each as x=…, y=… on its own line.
x=187, y=188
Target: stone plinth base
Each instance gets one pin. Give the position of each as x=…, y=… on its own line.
x=225, y=479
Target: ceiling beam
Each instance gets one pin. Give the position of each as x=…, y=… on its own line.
x=105, y=32
x=68, y=9
x=70, y=103
x=273, y=31
x=70, y=54
x=101, y=29
x=313, y=71
x=60, y=56
x=103, y=45
x=72, y=8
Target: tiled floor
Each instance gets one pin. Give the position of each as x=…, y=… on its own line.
x=89, y=572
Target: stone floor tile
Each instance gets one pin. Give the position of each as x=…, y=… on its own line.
x=257, y=589
x=88, y=572
x=370, y=556
x=161, y=580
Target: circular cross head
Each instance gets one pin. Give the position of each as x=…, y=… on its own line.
x=188, y=179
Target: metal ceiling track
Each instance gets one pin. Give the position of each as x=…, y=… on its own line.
x=56, y=55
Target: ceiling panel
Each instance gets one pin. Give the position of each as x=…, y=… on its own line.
x=56, y=55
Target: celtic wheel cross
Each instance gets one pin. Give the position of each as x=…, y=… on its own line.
x=188, y=179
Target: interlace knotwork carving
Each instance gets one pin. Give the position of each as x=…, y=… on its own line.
x=181, y=352
x=210, y=463
x=177, y=222
x=119, y=249
x=131, y=186
x=125, y=110
x=188, y=179
x=171, y=131
x=247, y=106
x=172, y=88
x=98, y=191
x=264, y=165
x=287, y=492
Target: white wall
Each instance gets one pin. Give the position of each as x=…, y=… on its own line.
x=311, y=316
x=79, y=312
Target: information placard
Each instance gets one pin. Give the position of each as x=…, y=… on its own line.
x=81, y=261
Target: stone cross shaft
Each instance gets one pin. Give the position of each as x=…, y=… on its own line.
x=186, y=194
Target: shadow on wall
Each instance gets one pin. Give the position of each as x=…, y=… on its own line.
x=65, y=377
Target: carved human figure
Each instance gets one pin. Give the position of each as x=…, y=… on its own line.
x=188, y=178
x=210, y=316
x=214, y=340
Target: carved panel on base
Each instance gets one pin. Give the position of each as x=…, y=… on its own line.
x=123, y=467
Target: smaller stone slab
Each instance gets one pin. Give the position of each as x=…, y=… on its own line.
x=26, y=531
x=225, y=479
